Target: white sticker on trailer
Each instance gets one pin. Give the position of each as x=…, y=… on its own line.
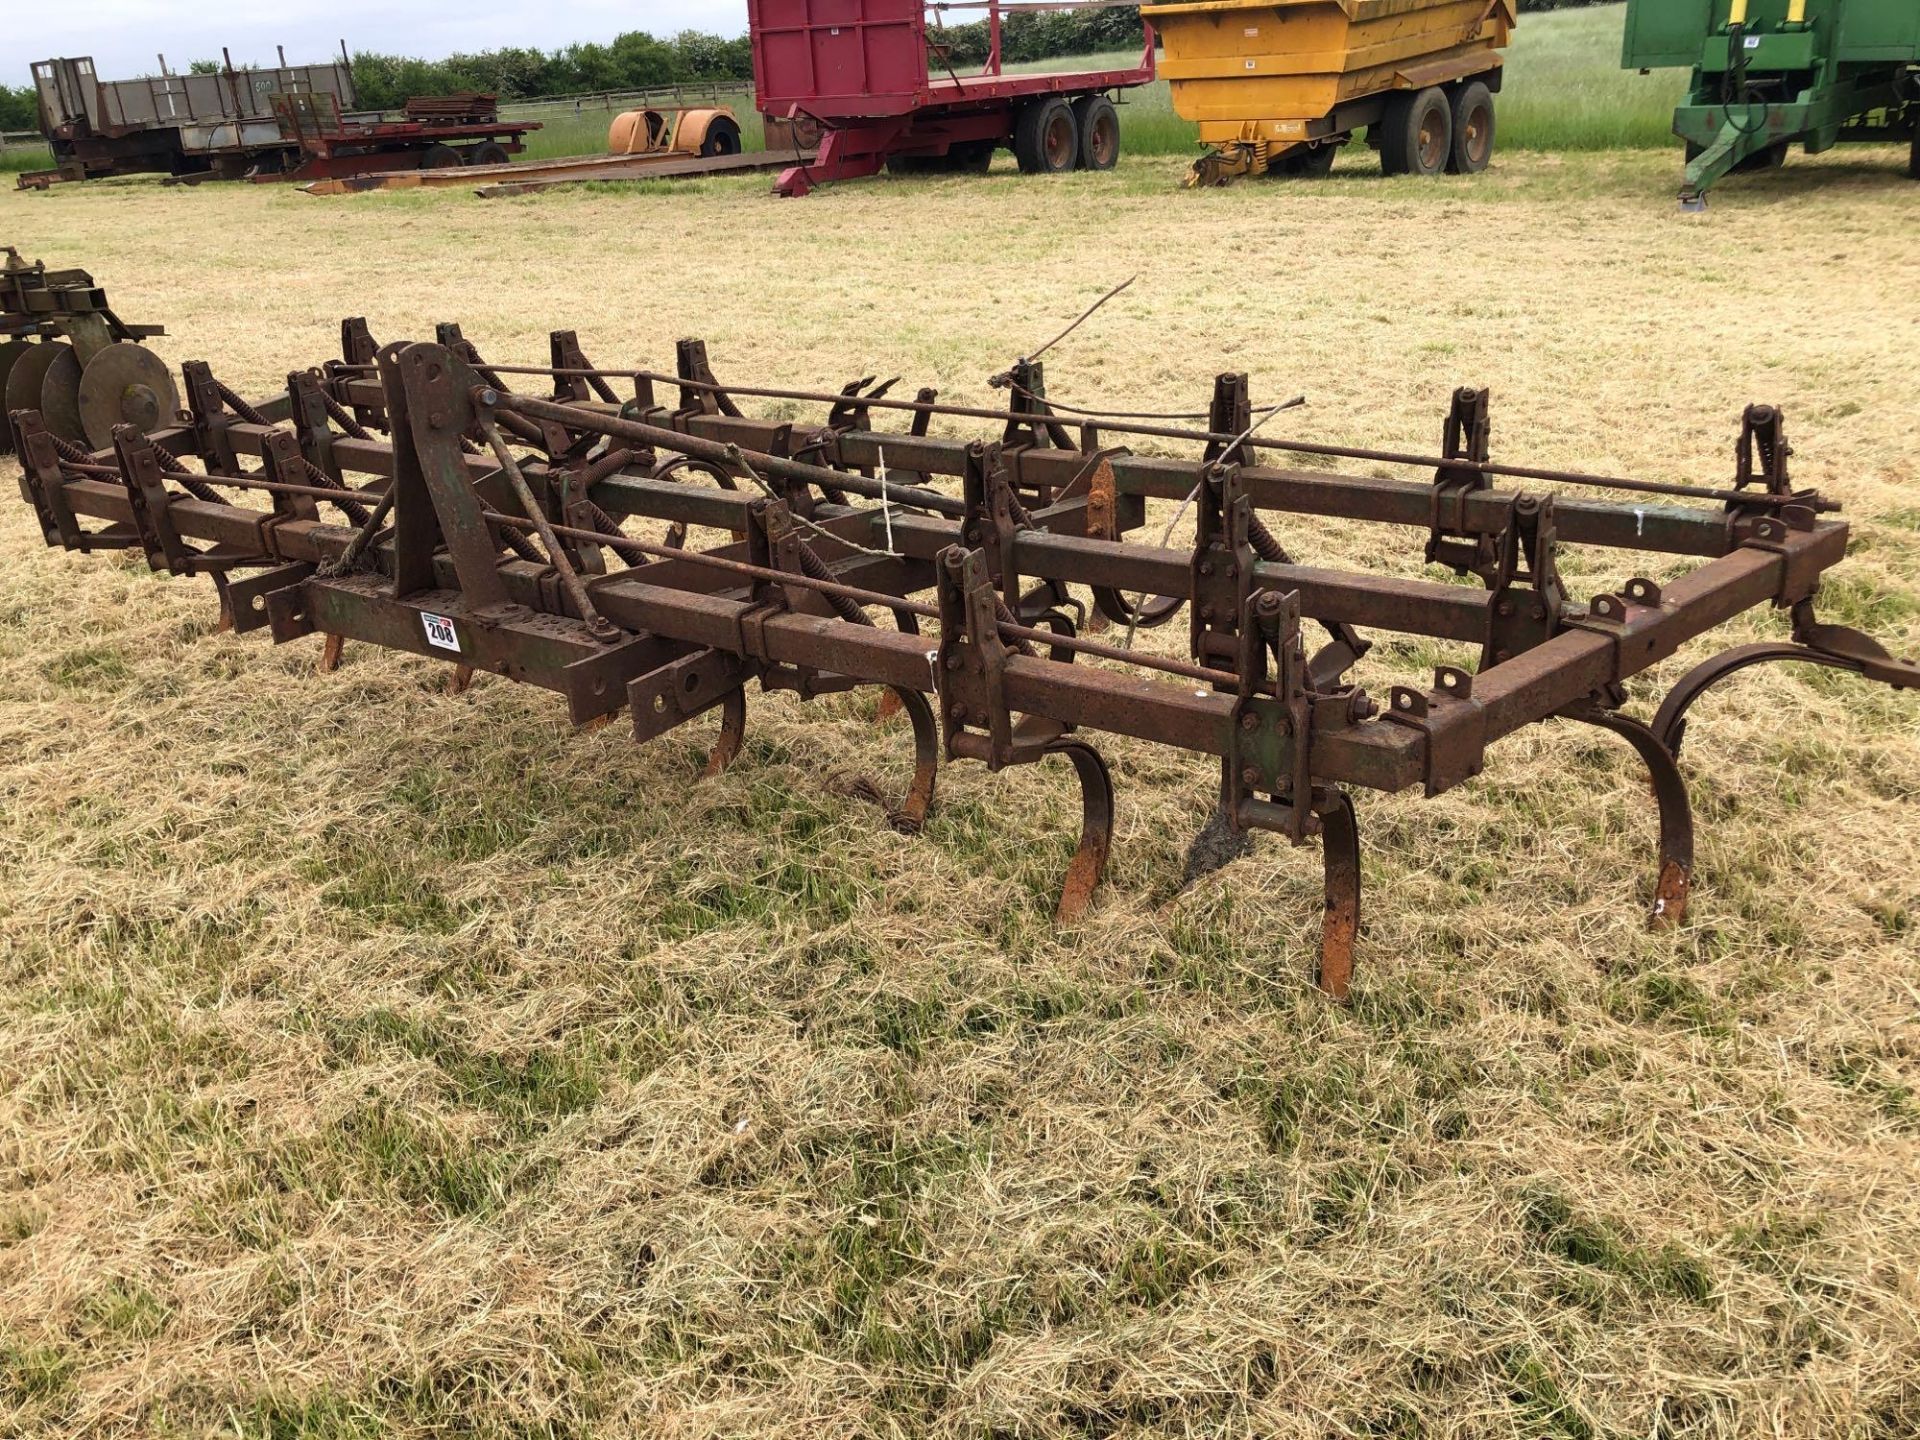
x=440, y=632
x=1251, y=64
x=1251, y=32
x=1752, y=42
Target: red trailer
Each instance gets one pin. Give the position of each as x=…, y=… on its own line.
x=862, y=70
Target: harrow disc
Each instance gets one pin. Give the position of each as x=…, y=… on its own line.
x=10, y=351
x=125, y=385
x=60, y=396
x=29, y=370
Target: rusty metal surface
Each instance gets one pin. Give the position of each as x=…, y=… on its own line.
x=571, y=535
x=66, y=355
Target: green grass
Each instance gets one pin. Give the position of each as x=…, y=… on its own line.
x=1565, y=89
x=25, y=157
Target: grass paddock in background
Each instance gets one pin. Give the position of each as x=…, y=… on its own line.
x=1564, y=90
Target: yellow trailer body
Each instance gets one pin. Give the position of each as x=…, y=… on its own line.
x=1263, y=77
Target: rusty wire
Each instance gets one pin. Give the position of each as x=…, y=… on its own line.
x=1412, y=459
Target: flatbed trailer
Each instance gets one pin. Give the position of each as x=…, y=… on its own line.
x=491, y=182
x=293, y=122
x=861, y=70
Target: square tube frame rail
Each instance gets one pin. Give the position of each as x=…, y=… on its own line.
x=406, y=496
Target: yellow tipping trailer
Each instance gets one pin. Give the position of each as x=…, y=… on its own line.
x=1277, y=86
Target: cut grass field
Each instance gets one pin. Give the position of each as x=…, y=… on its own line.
x=378, y=1062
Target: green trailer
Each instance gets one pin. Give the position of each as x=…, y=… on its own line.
x=1771, y=74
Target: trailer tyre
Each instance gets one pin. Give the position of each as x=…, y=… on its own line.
x=1099, y=126
x=1304, y=162
x=1472, y=116
x=723, y=137
x=439, y=157
x=1913, y=154
x=490, y=153
x=1045, y=139
x=1417, y=133
x=973, y=157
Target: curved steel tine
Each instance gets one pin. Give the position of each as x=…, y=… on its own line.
x=1670, y=723
x=890, y=703
x=911, y=813
x=1340, y=929
x=330, y=651
x=225, y=622
x=1676, y=814
x=733, y=730
x=460, y=680
x=1152, y=611
x=1096, y=829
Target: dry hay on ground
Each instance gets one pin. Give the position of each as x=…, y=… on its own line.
x=380, y=1062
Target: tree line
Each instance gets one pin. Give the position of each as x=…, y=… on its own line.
x=639, y=61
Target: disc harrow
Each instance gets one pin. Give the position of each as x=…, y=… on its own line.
x=66, y=355
x=635, y=540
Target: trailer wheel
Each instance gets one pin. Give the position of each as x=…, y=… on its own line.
x=490, y=153
x=1304, y=162
x=973, y=157
x=1045, y=139
x=1417, y=133
x=963, y=157
x=1913, y=153
x=1099, y=126
x=439, y=157
x=1472, y=116
x=723, y=137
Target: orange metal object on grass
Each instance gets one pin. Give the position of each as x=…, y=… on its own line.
x=1265, y=78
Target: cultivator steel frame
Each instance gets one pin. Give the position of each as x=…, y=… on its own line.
x=406, y=496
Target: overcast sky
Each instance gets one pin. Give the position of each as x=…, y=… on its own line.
x=125, y=36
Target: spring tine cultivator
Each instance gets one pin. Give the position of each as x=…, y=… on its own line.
x=637, y=540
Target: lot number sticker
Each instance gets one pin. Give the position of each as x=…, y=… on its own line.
x=440, y=632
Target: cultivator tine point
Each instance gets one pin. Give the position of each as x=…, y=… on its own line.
x=733, y=733
x=1340, y=926
x=1216, y=845
x=1096, y=829
x=1673, y=884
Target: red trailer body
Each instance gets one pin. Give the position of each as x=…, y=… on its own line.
x=860, y=70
